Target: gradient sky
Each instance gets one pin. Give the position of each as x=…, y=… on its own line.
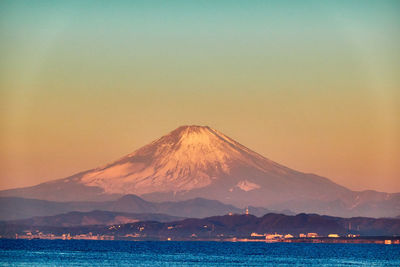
x=312, y=85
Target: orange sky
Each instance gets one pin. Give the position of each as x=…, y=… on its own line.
x=313, y=87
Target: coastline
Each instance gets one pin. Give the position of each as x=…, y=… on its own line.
x=387, y=240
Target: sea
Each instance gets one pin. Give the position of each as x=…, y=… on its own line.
x=192, y=253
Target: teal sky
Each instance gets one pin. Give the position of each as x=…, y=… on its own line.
x=313, y=85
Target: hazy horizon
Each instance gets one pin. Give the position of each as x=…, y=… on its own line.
x=313, y=86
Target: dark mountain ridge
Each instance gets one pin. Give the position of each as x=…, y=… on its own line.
x=227, y=226
x=244, y=225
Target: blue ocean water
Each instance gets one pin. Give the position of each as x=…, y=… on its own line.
x=128, y=253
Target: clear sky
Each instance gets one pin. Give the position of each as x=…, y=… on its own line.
x=313, y=85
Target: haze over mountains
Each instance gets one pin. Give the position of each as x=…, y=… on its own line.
x=15, y=208
x=198, y=161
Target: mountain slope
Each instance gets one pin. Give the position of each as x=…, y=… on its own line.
x=198, y=161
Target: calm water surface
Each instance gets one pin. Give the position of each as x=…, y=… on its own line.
x=125, y=253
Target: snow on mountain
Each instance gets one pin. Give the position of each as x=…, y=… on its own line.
x=247, y=186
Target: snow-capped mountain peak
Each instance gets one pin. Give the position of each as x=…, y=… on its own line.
x=187, y=158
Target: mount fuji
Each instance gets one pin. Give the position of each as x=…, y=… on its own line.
x=198, y=161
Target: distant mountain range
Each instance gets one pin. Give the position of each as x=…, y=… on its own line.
x=223, y=227
x=96, y=217
x=14, y=208
x=201, y=162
